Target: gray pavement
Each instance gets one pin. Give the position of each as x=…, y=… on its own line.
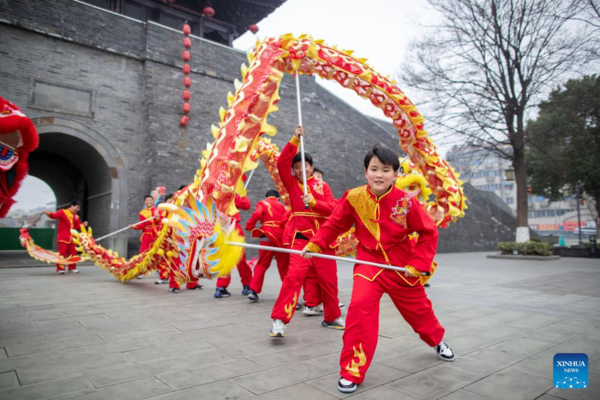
x=88, y=336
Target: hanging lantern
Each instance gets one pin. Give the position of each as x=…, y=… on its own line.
x=253, y=28
x=187, y=82
x=186, y=108
x=186, y=95
x=186, y=69
x=187, y=42
x=186, y=29
x=184, y=120
x=208, y=12
x=186, y=56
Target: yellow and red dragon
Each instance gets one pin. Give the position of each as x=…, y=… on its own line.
x=196, y=228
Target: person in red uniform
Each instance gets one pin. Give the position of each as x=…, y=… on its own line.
x=308, y=213
x=149, y=227
x=241, y=203
x=67, y=220
x=384, y=218
x=270, y=213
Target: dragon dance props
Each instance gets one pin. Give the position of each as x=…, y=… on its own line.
x=44, y=255
x=196, y=227
x=328, y=257
x=18, y=138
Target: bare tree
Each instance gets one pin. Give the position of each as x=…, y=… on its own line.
x=486, y=63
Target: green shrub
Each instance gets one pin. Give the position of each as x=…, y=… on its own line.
x=527, y=249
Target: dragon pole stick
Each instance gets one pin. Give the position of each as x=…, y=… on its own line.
x=328, y=257
x=36, y=220
x=124, y=229
x=249, y=177
x=298, y=101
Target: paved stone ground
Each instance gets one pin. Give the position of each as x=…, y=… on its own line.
x=88, y=336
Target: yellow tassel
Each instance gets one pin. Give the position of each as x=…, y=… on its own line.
x=228, y=255
x=244, y=69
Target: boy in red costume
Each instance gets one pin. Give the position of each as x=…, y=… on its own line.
x=241, y=203
x=67, y=220
x=270, y=213
x=383, y=216
x=309, y=212
x=149, y=227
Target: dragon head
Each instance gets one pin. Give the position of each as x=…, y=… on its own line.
x=18, y=138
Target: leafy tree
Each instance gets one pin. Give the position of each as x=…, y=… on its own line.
x=564, y=141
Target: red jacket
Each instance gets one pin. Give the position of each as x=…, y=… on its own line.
x=384, y=229
x=302, y=220
x=241, y=203
x=150, y=227
x=66, y=221
x=270, y=213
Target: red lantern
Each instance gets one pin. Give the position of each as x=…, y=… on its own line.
x=186, y=56
x=187, y=82
x=184, y=120
x=186, y=69
x=208, y=12
x=186, y=108
x=186, y=29
x=186, y=95
x=187, y=42
x=253, y=28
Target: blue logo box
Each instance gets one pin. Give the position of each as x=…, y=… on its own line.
x=571, y=371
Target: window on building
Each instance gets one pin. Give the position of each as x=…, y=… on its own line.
x=510, y=200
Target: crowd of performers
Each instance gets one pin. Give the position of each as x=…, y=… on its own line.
x=391, y=227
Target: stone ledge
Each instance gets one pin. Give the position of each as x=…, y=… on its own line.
x=523, y=258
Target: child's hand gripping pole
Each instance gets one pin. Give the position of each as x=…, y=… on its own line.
x=298, y=101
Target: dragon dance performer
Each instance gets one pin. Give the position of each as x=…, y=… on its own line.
x=242, y=203
x=67, y=220
x=384, y=217
x=149, y=226
x=313, y=300
x=270, y=212
x=300, y=228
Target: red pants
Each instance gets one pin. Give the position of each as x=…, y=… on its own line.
x=175, y=265
x=146, y=243
x=312, y=290
x=264, y=262
x=326, y=272
x=362, y=321
x=66, y=250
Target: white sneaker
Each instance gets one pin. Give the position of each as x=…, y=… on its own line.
x=444, y=352
x=161, y=281
x=62, y=271
x=346, y=386
x=139, y=277
x=312, y=311
x=75, y=271
x=278, y=328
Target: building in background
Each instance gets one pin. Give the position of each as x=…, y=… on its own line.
x=487, y=171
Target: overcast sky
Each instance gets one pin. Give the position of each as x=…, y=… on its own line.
x=379, y=30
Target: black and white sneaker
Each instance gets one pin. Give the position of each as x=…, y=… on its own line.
x=253, y=296
x=174, y=290
x=444, y=352
x=346, y=386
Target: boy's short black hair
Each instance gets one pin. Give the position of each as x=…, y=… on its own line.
x=168, y=197
x=298, y=158
x=75, y=202
x=181, y=187
x=385, y=155
x=315, y=169
x=272, y=193
x=146, y=196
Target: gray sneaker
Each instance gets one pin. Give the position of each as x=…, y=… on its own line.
x=337, y=323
